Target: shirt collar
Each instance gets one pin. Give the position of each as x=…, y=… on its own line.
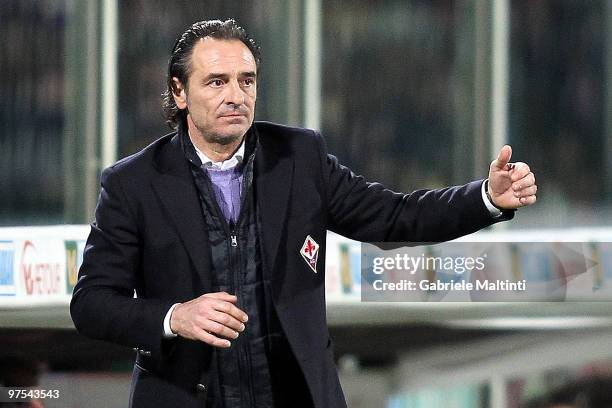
x=224, y=165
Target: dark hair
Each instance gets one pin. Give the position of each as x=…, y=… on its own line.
x=179, y=65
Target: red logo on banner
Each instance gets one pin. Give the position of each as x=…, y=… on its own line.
x=40, y=278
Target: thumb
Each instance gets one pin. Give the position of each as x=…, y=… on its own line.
x=502, y=158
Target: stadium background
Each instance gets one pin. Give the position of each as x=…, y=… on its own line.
x=411, y=93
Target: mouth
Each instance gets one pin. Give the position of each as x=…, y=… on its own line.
x=233, y=119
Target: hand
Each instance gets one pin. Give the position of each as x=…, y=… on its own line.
x=209, y=317
x=511, y=185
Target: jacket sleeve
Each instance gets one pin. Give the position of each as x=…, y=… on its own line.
x=103, y=305
x=369, y=212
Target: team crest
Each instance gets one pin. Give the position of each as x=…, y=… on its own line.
x=310, y=252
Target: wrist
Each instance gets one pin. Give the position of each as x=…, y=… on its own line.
x=170, y=329
x=486, y=188
x=173, y=318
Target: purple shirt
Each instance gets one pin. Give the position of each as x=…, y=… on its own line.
x=227, y=185
x=226, y=178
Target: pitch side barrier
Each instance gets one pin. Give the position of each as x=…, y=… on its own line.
x=39, y=266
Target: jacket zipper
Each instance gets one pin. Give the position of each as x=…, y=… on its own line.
x=235, y=268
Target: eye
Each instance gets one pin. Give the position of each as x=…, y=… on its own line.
x=249, y=81
x=215, y=83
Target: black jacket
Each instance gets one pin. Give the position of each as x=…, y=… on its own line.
x=148, y=235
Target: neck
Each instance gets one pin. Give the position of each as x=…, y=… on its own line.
x=215, y=151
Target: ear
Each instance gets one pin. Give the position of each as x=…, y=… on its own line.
x=178, y=92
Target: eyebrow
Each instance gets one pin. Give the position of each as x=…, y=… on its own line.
x=212, y=75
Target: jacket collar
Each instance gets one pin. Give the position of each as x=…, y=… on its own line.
x=175, y=189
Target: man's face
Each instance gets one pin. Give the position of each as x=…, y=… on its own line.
x=221, y=90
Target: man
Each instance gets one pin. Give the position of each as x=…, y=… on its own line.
x=207, y=252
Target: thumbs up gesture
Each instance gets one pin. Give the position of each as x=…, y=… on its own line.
x=511, y=185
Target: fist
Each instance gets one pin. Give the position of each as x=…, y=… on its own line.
x=212, y=318
x=511, y=185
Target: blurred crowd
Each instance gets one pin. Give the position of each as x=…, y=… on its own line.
x=392, y=76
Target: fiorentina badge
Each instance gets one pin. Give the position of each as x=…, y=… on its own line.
x=310, y=253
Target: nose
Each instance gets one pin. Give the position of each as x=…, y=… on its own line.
x=235, y=94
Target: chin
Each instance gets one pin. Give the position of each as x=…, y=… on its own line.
x=226, y=138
